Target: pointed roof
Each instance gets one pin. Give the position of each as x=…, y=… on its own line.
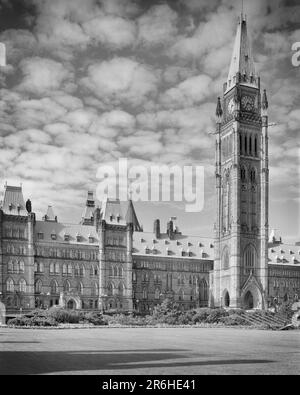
x=13, y=201
x=242, y=60
x=112, y=212
x=87, y=217
x=131, y=217
x=50, y=216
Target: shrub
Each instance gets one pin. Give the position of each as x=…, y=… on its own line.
x=201, y=315
x=95, y=318
x=62, y=315
x=233, y=319
x=122, y=319
x=19, y=321
x=215, y=316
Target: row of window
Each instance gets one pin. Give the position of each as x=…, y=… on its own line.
x=248, y=145
x=16, y=267
x=15, y=249
x=174, y=266
x=13, y=232
x=67, y=253
x=67, y=237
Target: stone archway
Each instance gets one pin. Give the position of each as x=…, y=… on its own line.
x=2, y=314
x=226, y=299
x=71, y=304
x=249, y=301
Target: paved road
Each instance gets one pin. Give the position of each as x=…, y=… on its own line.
x=149, y=351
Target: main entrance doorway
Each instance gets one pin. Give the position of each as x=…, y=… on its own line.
x=71, y=304
x=249, y=303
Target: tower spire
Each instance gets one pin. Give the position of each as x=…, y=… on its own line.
x=242, y=68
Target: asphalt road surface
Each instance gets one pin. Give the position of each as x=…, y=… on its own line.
x=149, y=351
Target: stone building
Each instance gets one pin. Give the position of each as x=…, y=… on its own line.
x=107, y=262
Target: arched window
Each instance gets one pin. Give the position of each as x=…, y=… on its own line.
x=70, y=269
x=10, y=287
x=51, y=268
x=76, y=270
x=110, y=289
x=226, y=299
x=110, y=271
x=41, y=267
x=120, y=289
x=53, y=287
x=115, y=271
x=16, y=267
x=157, y=293
x=57, y=268
x=252, y=175
x=145, y=293
x=22, y=285
x=10, y=267
x=81, y=271
x=241, y=148
x=80, y=288
x=246, y=144
x=94, y=290
x=250, y=145
x=22, y=267
x=120, y=271
x=38, y=286
x=66, y=286
x=225, y=258
x=96, y=270
x=250, y=259
x=64, y=269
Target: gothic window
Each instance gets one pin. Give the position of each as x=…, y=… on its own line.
x=41, y=267
x=252, y=175
x=57, y=268
x=80, y=288
x=110, y=289
x=52, y=268
x=110, y=270
x=250, y=146
x=10, y=267
x=64, y=269
x=53, y=287
x=94, y=290
x=38, y=286
x=145, y=293
x=22, y=267
x=225, y=258
x=66, y=286
x=81, y=271
x=69, y=269
x=22, y=285
x=120, y=271
x=157, y=294
x=96, y=270
x=10, y=287
x=121, y=289
x=250, y=259
x=76, y=270
x=133, y=276
x=203, y=291
x=115, y=271
x=16, y=267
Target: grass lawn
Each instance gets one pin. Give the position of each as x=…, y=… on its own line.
x=149, y=351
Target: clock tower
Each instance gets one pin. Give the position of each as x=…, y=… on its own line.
x=240, y=276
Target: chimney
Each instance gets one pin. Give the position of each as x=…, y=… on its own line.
x=156, y=229
x=170, y=229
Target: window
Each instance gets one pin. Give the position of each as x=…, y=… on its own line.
x=96, y=270
x=69, y=269
x=10, y=287
x=38, y=286
x=57, y=268
x=110, y=289
x=40, y=236
x=94, y=289
x=145, y=293
x=157, y=294
x=81, y=271
x=66, y=286
x=80, y=288
x=120, y=289
x=51, y=268
x=250, y=258
x=22, y=285
x=53, y=288
x=10, y=267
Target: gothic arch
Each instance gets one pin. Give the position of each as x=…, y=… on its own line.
x=226, y=298
x=53, y=287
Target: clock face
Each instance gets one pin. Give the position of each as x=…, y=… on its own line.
x=248, y=103
x=231, y=106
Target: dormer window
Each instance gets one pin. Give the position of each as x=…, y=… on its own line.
x=182, y=252
x=146, y=250
x=91, y=239
x=166, y=242
x=10, y=206
x=78, y=238
x=40, y=235
x=178, y=242
x=111, y=217
x=118, y=218
x=66, y=237
x=153, y=250
x=19, y=208
x=200, y=244
x=53, y=236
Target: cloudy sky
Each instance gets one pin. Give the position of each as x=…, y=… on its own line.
x=90, y=81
